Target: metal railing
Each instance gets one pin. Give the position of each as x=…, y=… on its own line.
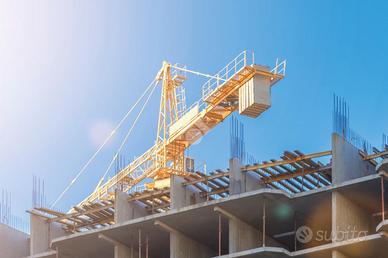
x=280, y=67
x=242, y=60
x=230, y=70
x=245, y=58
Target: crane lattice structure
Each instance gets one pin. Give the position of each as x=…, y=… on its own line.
x=176, y=132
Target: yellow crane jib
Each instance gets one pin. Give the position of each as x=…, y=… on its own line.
x=241, y=85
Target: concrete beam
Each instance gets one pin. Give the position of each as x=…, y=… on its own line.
x=182, y=246
x=110, y=240
x=241, y=182
x=347, y=162
x=166, y=227
x=126, y=210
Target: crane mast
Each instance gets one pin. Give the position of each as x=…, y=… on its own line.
x=240, y=85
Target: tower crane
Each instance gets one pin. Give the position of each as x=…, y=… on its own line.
x=240, y=85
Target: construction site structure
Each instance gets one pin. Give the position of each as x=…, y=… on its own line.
x=330, y=203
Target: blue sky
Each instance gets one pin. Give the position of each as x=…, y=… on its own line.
x=69, y=70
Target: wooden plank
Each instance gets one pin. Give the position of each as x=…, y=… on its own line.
x=296, y=174
x=376, y=155
x=263, y=176
x=290, y=185
x=206, y=178
x=79, y=212
x=304, y=164
x=283, y=162
x=140, y=196
x=218, y=192
x=291, y=182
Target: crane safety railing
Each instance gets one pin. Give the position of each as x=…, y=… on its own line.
x=280, y=67
x=245, y=58
x=229, y=71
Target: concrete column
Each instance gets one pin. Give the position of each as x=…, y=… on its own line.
x=41, y=234
x=243, y=236
x=241, y=182
x=120, y=250
x=182, y=196
x=125, y=210
x=181, y=246
x=123, y=252
x=347, y=162
x=348, y=220
x=336, y=254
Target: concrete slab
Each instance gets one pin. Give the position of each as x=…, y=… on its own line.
x=261, y=252
x=48, y=254
x=86, y=246
x=89, y=245
x=383, y=226
x=200, y=222
x=373, y=246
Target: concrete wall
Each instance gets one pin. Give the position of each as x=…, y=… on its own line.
x=122, y=251
x=183, y=247
x=241, y=182
x=13, y=243
x=348, y=220
x=42, y=233
x=125, y=210
x=347, y=162
x=182, y=196
x=242, y=236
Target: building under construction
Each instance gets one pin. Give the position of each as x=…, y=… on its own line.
x=329, y=203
